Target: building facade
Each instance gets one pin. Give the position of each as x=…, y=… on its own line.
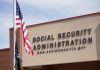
x=58, y=55
x=5, y=60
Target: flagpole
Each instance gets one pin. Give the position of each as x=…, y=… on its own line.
x=14, y=32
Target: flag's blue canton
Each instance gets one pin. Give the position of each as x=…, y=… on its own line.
x=18, y=11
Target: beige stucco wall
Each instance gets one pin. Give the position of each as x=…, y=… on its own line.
x=90, y=53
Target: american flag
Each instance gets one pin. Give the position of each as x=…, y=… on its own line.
x=21, y=24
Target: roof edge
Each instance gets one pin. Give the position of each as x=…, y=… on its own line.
x=59, y=20
x=64, y=19
x=4, y=49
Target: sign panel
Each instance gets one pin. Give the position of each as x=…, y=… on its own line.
x=65, y=41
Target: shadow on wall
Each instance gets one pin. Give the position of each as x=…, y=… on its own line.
x=97, y=31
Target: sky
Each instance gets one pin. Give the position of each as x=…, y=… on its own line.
x=39, y=11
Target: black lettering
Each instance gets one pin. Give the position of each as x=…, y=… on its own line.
x=68, y=34
x=48, y=38
x=84, y=31
x=59, y=36
x=59, y=44
x=63, y=43
x=34, y=48
x=38, y=53
x=38, y=39
x=67, y=43
x=52, y=38
x=72, y=43
x=89, y=40
x=89, y=31
x=38, y=47
x=51, y=45
x=44, y=46
x=63, y=35
x=84, y=41
x=42, y=38
x=73, y=34
x=76, y=41
x=34, y=39
x=77, y=33
x=79, y=41
x=81, y=33
x=55, y=44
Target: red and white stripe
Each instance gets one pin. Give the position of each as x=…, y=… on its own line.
x=20, y=24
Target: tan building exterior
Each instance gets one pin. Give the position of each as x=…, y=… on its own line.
x=5, y=60
x=86, y=59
